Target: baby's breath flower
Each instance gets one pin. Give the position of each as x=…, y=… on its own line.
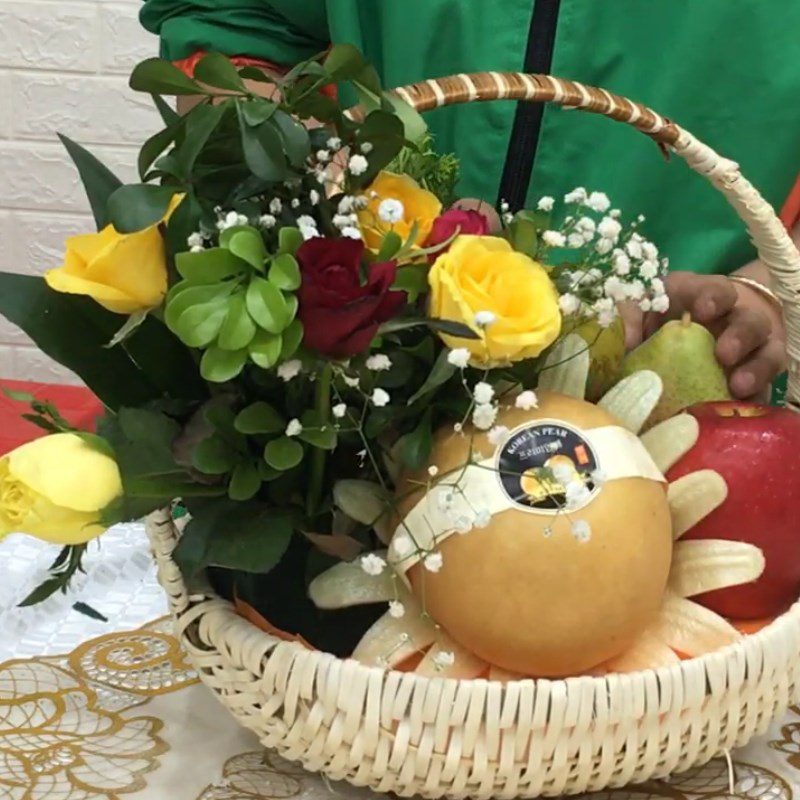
x=458, y=427
x=577, y=195
x=604, y=246
x=391, y=210
x=483, y=392
x=641, y=218
x=483, y=319
x=527, y=400
x=645, y=305
x=340, y=410
x=622, y=263
x=609, y=228
x=366, y=148
x=615, y=289
x=267, y=221
x=334, y=143
x=195, y=239
x=444, y=658
x=346, y=204
x=598, y=201
x=554, y=238
x=433, y=470
x=351, y=380
x=635, y=290
x=497, y=434
x=648, y=269
x=289, y=369
x=459, y=357
x=358, y=164
x=504, y=207
x=379, y=362
x=484, y=416
x=463, y=523
x=294, y=428
x=275, y=205
x=606, y=311
x=433, y=562
x=634, y=248
x=615, y=213
x=660, y=304
x=402, y=544
x=569, y=304
x=313, y=197
x=545, y=203
x=575, y=241
x=650, y=251
x=323, y=156
x=482, y=518
x=295, y=203
x=582, y=530
x=586, y=224
x=563, y=474
x=361, y=202
x=372, y=564
x=344, y=220
x=351, y=232
x=658, y=286
x=577, y=494
x=396, y=609
x=380, y=398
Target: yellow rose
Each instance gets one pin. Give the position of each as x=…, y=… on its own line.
x=419, y=206
x=123, y=272
x=54, y=488
x=483, y=274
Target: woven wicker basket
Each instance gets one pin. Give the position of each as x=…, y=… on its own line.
x=438, y=737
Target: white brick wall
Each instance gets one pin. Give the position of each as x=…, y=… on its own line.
x=63, y=67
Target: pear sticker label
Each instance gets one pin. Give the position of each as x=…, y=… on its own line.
x=544, y=465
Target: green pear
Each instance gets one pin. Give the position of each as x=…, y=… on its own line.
x=682, y=353
x=606, y=351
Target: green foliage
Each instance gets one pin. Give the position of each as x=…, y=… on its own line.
x=435, y=172
x=68, y=562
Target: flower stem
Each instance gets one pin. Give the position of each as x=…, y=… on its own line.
x=318, y=455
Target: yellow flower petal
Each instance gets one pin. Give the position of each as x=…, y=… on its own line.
x=66, y=471
x=60, y=280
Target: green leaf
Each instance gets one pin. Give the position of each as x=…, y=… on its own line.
x=199, y=325
x=257, y=111
x=220, y=366
x=98, y=180
x=138, y=206
x=263, y=149
x=209, y=266
x=292, y=305
x=384, y=131
x=283, y=453
x=200, y=123
x=238, y=329
x=250, y=537
x=158, y=76
x=413, y=280
x=184, y=221
x=259, y=417
x=245, y=482
x=415, y=448
x=457, y=329
x=289, y=240
x=168, y=113
x=19, y=397
x=130, y=325
x=214, y=456
x=248, y=245
x=265, y=349
x=184, y=295
x=390, y=246
x=414, y=125
x=257, y=74
x=156, y=145
x=343, y=62
x=284, y=272
x=442, y=371
x=88, y=611
x=292, y=337
x=267, y=305
x=295, y=138
x=318, y=433
x=74, y=330
x=214, y=69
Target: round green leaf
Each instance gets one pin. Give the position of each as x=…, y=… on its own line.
x=292, y=304
x=284, y=272
x=265, y=349
x=248, y=245
x=218, y=365
x=245, y=482
x=138, y=206
x=214, y=456
x=209, y=266
x=259, y=417
x=184, y=295
x=267, y=306
x=283, y=454
x=238, y=329
x=289, y=240
x=199, y=325
x=323, y=437
x=292, y=337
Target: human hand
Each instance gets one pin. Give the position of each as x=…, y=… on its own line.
x=747, y=327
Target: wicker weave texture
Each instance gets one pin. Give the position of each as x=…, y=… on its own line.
x=440, y=737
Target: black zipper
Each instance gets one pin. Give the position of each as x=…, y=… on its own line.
x=528, y=117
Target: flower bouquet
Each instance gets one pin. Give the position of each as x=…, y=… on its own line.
x=387, y=424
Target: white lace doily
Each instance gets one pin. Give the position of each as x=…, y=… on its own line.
x=120, y=583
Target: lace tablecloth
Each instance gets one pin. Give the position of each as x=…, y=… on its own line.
x=113, y=712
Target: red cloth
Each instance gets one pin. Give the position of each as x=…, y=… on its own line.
x=187, y=66
x=790, y=214
x=76, y=404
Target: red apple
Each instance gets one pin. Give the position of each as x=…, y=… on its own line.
x=757, y=450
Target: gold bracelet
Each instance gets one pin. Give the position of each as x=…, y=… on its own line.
x=764, y=291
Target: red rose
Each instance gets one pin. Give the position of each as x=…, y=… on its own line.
x=340, y=314
x=456, y=220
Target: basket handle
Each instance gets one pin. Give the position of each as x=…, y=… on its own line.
x=775, y=247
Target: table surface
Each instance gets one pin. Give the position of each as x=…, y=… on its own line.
x=111, y=711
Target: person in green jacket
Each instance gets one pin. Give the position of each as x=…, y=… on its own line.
x=724, y=69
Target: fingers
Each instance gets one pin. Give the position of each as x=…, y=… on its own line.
x=633, y=320
x=753, y=377
x=744, y=331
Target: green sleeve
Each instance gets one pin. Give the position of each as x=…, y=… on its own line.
x=281, y=31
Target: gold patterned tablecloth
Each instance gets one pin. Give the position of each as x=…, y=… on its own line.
x=123, y=717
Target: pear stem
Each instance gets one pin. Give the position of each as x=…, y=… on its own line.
x=686, y=319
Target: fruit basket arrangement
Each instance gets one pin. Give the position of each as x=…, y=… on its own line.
x=421, y=524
